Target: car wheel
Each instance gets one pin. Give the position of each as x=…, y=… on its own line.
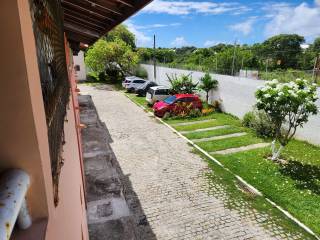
x=166, y=115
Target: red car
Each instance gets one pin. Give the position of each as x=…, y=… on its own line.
x=171, y=103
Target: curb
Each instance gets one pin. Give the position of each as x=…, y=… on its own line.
x=252, y=188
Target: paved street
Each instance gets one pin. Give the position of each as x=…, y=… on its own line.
x=164, y=184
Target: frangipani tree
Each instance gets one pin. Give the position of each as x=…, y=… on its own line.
x=288, y=105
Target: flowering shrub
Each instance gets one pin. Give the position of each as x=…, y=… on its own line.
x=207, y=111
x=182, y=109
x=288, y=105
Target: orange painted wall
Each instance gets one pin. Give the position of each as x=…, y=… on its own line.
x=69, y=218
x=23, y=130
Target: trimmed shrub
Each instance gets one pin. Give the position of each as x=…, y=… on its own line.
x=260, y=123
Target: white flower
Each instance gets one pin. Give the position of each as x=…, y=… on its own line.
x=274, y=81
x=291, y=92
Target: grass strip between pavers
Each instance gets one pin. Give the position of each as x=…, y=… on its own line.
x=213, y=133
x=234, y=142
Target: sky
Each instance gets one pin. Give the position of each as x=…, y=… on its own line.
x=209, y=22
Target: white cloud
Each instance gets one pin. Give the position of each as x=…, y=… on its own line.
x=141, y=38
x=158, y=25
x=302, y=19
x=210, y=43
x=188, y=7
x=244, y=27
x=179, y=42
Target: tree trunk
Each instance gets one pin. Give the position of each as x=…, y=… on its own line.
x=275, y=152
x=207, y=97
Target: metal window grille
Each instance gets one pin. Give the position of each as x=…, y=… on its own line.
x=49, y=37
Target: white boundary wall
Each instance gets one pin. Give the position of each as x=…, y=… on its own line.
x=237, y=95
x=79, y=60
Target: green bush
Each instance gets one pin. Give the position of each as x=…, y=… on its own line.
x=92, y=77
x=140, y=72
x=288, y=75
x=182, y=84
x=102, y=77
x=260, y=123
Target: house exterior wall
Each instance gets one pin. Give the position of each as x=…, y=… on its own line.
x=81, y=75
x=24, y=139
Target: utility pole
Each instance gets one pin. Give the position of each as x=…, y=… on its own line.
x=154, y=59
x=242, y=63
x=234, y=57
x=216, y=63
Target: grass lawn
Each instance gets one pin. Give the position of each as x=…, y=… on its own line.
x=236, y=197
x=220, y=118
x=139, y=100
x=295, y=186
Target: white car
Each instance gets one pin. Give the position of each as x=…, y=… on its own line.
x=157, y=93
x=127, y=80
x=134, y=83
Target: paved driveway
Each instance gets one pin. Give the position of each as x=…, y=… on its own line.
x=168, y=180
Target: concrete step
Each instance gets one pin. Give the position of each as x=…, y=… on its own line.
x=241, y=149
x=190, y=123
x=219, y=137
x=205, y=129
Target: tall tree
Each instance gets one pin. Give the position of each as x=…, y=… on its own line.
x=115, y=58
x=122, y=32
x=316, y=46
x=284, y=49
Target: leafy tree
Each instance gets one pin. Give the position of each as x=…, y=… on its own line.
x=185, y=50
x=145, y=54
x=288, y=105
x=284, y=49
x=115, y=58
x=182, y=84
x=122, y=32
x=220, y=47
x=316, y=46
x=207, y=84
x=164, y=55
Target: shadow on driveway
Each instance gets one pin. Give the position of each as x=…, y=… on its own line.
x=113, y=208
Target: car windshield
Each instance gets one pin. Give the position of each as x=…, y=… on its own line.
x=170, y=100
x=144, y=85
